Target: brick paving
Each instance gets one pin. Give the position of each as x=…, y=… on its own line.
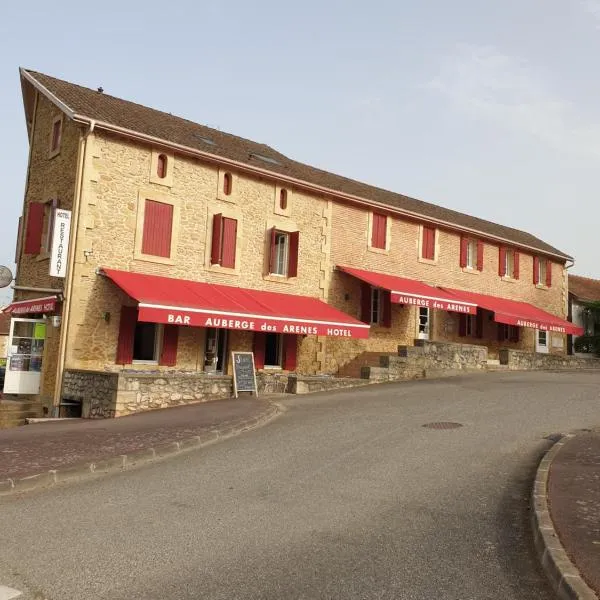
x=574, y=498
x=32, y=449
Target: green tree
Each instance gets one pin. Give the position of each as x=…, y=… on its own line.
x=590, y=340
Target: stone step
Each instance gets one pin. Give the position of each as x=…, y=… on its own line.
x=408, y=351
x=492, y=361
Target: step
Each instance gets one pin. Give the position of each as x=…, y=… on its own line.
x=492, y=362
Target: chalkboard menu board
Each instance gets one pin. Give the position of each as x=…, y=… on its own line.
x=244, y=376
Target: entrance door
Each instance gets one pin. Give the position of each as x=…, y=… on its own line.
x=423, y=324
x=215, y=351
x=24, y=356
x=541, y=341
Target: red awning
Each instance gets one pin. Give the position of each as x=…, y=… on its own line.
x=410, y=291
x=27, y=307
x=521, y=314
x=183, y=302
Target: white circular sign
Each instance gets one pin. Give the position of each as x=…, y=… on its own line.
x=6, y=276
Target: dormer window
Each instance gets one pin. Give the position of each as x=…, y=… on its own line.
x=161, y=166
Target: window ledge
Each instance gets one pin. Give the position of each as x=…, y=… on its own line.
x=42, y=256
x=161, y=260
x=53, y=153
x=471, y=270
x=541, y=286
x=279, y=278
x=427, y=261
x=224, y=270
x=144, y=362
x=272, y=368
x=508, y=279
x=376, y=250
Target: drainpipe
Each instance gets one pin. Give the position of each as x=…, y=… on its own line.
x=66, y=315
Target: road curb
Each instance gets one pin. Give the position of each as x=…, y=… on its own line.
x=123, y=462
x=563, y=574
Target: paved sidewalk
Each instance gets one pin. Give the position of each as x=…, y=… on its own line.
x=59, y=445
x=574, y=499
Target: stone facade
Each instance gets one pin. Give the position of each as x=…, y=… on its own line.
x=113, y=176
x=350, y=246
x=519, y=360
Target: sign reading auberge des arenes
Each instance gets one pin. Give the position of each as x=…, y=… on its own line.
x=60, y=242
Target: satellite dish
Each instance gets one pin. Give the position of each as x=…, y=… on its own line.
x=6, y=276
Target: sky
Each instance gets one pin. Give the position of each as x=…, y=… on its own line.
x=489, y=108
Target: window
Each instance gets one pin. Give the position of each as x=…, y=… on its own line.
x=227, y=184
x=56, y=135
x=273, y=350
x=471, y=254
x=542, y=271
x=508, y=263
x=158, y=228
x=283, y=199
x=508, y=333
x=48, y=228
x=283, y=259
x=224, y=241
x=378, y=231
x=161, y=166
x=146, y=342
x=428, y=243
x=375, y=306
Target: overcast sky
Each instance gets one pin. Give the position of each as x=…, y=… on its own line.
x=489, y=108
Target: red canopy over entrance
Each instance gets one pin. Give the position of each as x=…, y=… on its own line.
x=183, y=302
x=37, y=305
x=410, y=291
x=521, y=314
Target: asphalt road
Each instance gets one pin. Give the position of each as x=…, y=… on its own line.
x=345, y=495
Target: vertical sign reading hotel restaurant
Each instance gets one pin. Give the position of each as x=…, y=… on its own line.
x=60, y=242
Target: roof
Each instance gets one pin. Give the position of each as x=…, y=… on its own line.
x=584, y=288
x=89, y=104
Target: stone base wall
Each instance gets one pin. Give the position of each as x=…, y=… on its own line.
x=519, y=360
x=428, y=359
x=97, y=392
x=299, y=384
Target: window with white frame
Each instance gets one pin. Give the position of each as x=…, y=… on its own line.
x=375, y=306
x=542, y=268
x=146, y=342
x=471, y=254
x=509, y=263
x=281, y=253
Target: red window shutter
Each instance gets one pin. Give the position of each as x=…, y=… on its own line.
x=229, y=243
x=215, y=248
x=502, y=261
x=365, y=303
x=536, y=270
x=259, y=347
x=379, y=233
x=168, y=355
x=548, y=273
x=479, y=324
x=35, y=226
x=428, y=243
x=516, y=265
x=272, y=249
x=290, y=348
x=462, y=325
x=386, y=300
x=479, y=255
x=126, y=335
x=464, y=243
x=158, y=228
x=294, y=241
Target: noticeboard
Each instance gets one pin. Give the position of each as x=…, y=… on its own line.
x=244, y=375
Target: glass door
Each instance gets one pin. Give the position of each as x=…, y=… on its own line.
x=541, y=341
x=423, y=323
x=24, y=356
x=215, y=350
